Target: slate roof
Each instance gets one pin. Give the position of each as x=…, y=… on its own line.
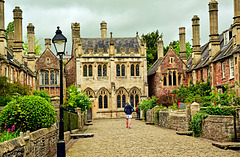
x=154, y=67
x=96, y=43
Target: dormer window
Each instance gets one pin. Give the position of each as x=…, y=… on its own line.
x=227, y=37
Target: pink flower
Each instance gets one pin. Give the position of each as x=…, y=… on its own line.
x=9, y=130
x=13, y=127
x=5, y=125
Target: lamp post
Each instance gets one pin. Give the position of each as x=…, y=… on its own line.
x=59, y=42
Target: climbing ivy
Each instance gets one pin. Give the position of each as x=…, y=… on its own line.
x=196, y=123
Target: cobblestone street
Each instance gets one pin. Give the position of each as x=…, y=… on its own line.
x=112, y=138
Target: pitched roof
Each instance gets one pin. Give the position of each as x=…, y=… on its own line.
x=96, y=43
x=153, y=69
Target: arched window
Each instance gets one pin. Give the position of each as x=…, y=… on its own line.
x=104, y=70
x=89, y=92
x=118, y=101
x=137, y=70
x=123, y=70
x=179, y=80
x=136, y=99
x=123, y=101
x=164, y=80
x=85, y=70
x=132, y=100
x=118, y=70
x=100, y=102
x=46, y=78
x=56, y=77
x=170, y=78
x=90, y=70
x=174, y=78
x=52, y=78
x=105, y=102
x=132, y=70
x=99, y=70
x=42, y=78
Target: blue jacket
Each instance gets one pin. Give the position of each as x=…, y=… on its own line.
x=128, y=109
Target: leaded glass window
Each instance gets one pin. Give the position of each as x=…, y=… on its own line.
x=137, y=70
x=118, y=69
x=99, y=70
x=52, y=78
x=105, y=101
x=123, y=101
x=104, y=70
x=132, y=100
x=85, y=70
x=123, y=70
x=56, y=77
x=170, y=78
x=46, y=78
x=174, y=78
x=100, y=102
x=118, y=101
x=132, y=70
x=90, y=70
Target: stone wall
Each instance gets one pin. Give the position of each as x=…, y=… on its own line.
x=39, y=143
x=219, y=128
x=150, y=115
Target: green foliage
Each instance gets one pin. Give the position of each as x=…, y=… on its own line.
x=147, y=104
x=76, y=99
x=70, y=120
x=174, y=107
x=10, y=29
x=43, y=93
x=28, y=113
x=37, y=49
x=176, y=47
x=196, y=123
x=216, y=110
x=5, y=100
x=151, y=40
x=8, y=134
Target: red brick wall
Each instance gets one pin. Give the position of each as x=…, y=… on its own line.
x=42, y=61
x=70, y=71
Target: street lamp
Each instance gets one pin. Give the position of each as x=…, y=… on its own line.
x=59, y=42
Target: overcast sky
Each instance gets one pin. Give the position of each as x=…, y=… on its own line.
x=124, y=17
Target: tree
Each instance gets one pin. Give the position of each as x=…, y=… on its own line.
x=37, y=49
x=151, y=40
x=10, y=29
x=176, y=47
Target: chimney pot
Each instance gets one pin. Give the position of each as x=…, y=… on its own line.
x=48, y=43
x=103, y=29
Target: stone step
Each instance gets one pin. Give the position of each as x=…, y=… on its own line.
x=87, y=124
x=74, y=136
x=149, y=123
x=227, y=145
x=188, y=133
x=89, y=121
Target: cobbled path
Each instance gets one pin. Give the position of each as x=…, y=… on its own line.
x=112, y=138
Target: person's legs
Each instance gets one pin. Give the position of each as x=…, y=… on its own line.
x=127, y=122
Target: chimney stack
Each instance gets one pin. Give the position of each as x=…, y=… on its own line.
x=182, y=44
x=160, y=48
x=236, y=24
x=2, y=29
x=47, y=43
x=103, y=29
x=31, y=44
x=75, y=31
x=18, y=42
x=214, y=36
x=10, y=40
x=196, y=53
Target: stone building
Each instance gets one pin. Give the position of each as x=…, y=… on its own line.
x=217, y=60
x=111, y=71
x=12, y=64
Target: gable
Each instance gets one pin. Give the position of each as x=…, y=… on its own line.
x=47, y=61
x=171, y=61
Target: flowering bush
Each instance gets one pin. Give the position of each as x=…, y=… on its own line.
x=8, y=134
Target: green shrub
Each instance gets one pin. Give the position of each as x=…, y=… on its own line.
x=147, y=104
x=216, y=110
x=174, y=107
x=196, y=123
x=28, y=113
x=43, y=93
x=4, y=100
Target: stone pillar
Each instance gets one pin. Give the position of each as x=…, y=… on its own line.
x=103, y=29
x=236, y=24
x=47, y=43
x=2, y=29
x=10, y=40
x=194, y=108
x=18, y=42
x=75, y=31
x=78, y=110
x=31, y=46
x=188, y=115
x=196, y=54
x=214, y=36
x=160, y=48
x=182, y=44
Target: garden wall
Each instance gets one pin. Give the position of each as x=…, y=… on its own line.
x=39, y=143
x=219, y=128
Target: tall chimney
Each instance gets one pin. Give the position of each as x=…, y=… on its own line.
x=18, y=42
x=2, y=29
x=214, y=46
x=196, y=53
x=47, y=43
x=103, y=29
x=182, y=43
x=236, y=24
x=30, y=35
x=160, y=48
x=75, y=31
x=10, y=40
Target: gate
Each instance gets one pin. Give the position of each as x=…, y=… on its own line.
x=89, y=114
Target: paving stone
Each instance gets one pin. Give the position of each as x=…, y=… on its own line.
x=112, y=138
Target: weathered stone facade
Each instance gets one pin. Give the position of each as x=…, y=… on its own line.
x=111, y=71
